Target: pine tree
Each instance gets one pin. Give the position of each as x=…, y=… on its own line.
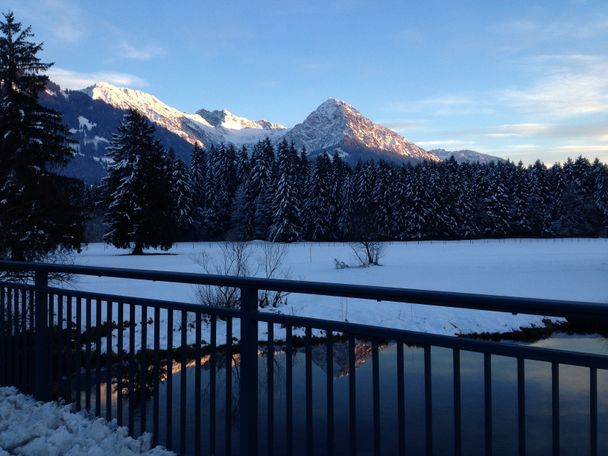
x=261, y=189
x=181, y=189
x=220, y=192
x=600, y=193
x=198, y=181
x=286, y=217
x=137, y=189
x=40, y=211
x=319, y=206
x=339, y=193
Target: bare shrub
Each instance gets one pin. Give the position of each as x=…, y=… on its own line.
x=368, y=253
x=234, y=260
x=270, y=264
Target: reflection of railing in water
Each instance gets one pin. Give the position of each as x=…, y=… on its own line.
x=65, y=344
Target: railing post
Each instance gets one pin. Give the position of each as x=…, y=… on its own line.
x=42, y=388
x=248, y=388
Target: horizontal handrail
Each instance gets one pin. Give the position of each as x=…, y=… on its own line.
x=507, y=349
x=511, y=304
x=362, y=330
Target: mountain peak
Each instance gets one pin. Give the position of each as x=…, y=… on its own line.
x=337, y=126
x=226, y=119
x=333, y=106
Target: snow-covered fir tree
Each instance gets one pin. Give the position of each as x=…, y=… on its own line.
x=319, y=207
x=198, y=183
x=140, y=205
x=182, y=192
x=40, y=211
x=286, y=211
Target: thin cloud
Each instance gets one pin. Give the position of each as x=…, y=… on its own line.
x=445, y=143
x=565, y=94
x=589, y=130
x=147, y=52
x=66, y=21
x=534, y=30
x=402, y=125
x=76, y=80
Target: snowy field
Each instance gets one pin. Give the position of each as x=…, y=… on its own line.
x=571, y=269
x=31, y=428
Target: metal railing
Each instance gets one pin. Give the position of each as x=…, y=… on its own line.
x=112, y=355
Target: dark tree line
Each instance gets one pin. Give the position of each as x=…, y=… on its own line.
x=277, y=193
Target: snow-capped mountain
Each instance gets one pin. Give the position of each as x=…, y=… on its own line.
x=93, y=114
x=337, y=126
x=466, y=156
x=203, y=128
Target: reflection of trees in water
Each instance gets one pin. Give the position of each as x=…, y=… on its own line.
x=363, y=352
x=220, y=363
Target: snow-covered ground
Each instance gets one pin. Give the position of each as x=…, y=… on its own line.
x=572, y=269
x=32, y=428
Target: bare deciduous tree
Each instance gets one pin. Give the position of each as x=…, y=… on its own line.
x=235, y=259
x=368, y=253
x=271, y=262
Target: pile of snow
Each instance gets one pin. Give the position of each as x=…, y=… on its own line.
x=28, y=427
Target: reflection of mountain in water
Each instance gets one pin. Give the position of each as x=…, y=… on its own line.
x=363, y=352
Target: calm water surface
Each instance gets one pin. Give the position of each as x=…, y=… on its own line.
x=574, y=402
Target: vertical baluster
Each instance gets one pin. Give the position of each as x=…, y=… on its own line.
x=228, y=442
x=183, y=383
x=17, y=350
x=156, y=403
x=143, y=368
x=289, y=389
x=24, y=343
x=98, y=325
x=109, y=327
x=69, y=347
x=309, y=410
x=87, y=381
x=270, y=387
x=521, y=406
x=376, y=395
x=169, y=402
x=17, y=335
x=120, y=361
x=32, y=342
x=428, y=399
x=132, y=368
x=248, y=384
x=197, y=385
x=352, y=395
x=11, y=345
x=49, y=340
x=401, y=398
x=487, y=369
x=78, y=366
x=593, y=410
x=329, y=347
x=3, y=341
x=212, y=384
x=555, y=403
x=60, y=344
x=457, y=403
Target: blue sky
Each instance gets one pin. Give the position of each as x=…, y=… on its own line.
x=518, y=79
